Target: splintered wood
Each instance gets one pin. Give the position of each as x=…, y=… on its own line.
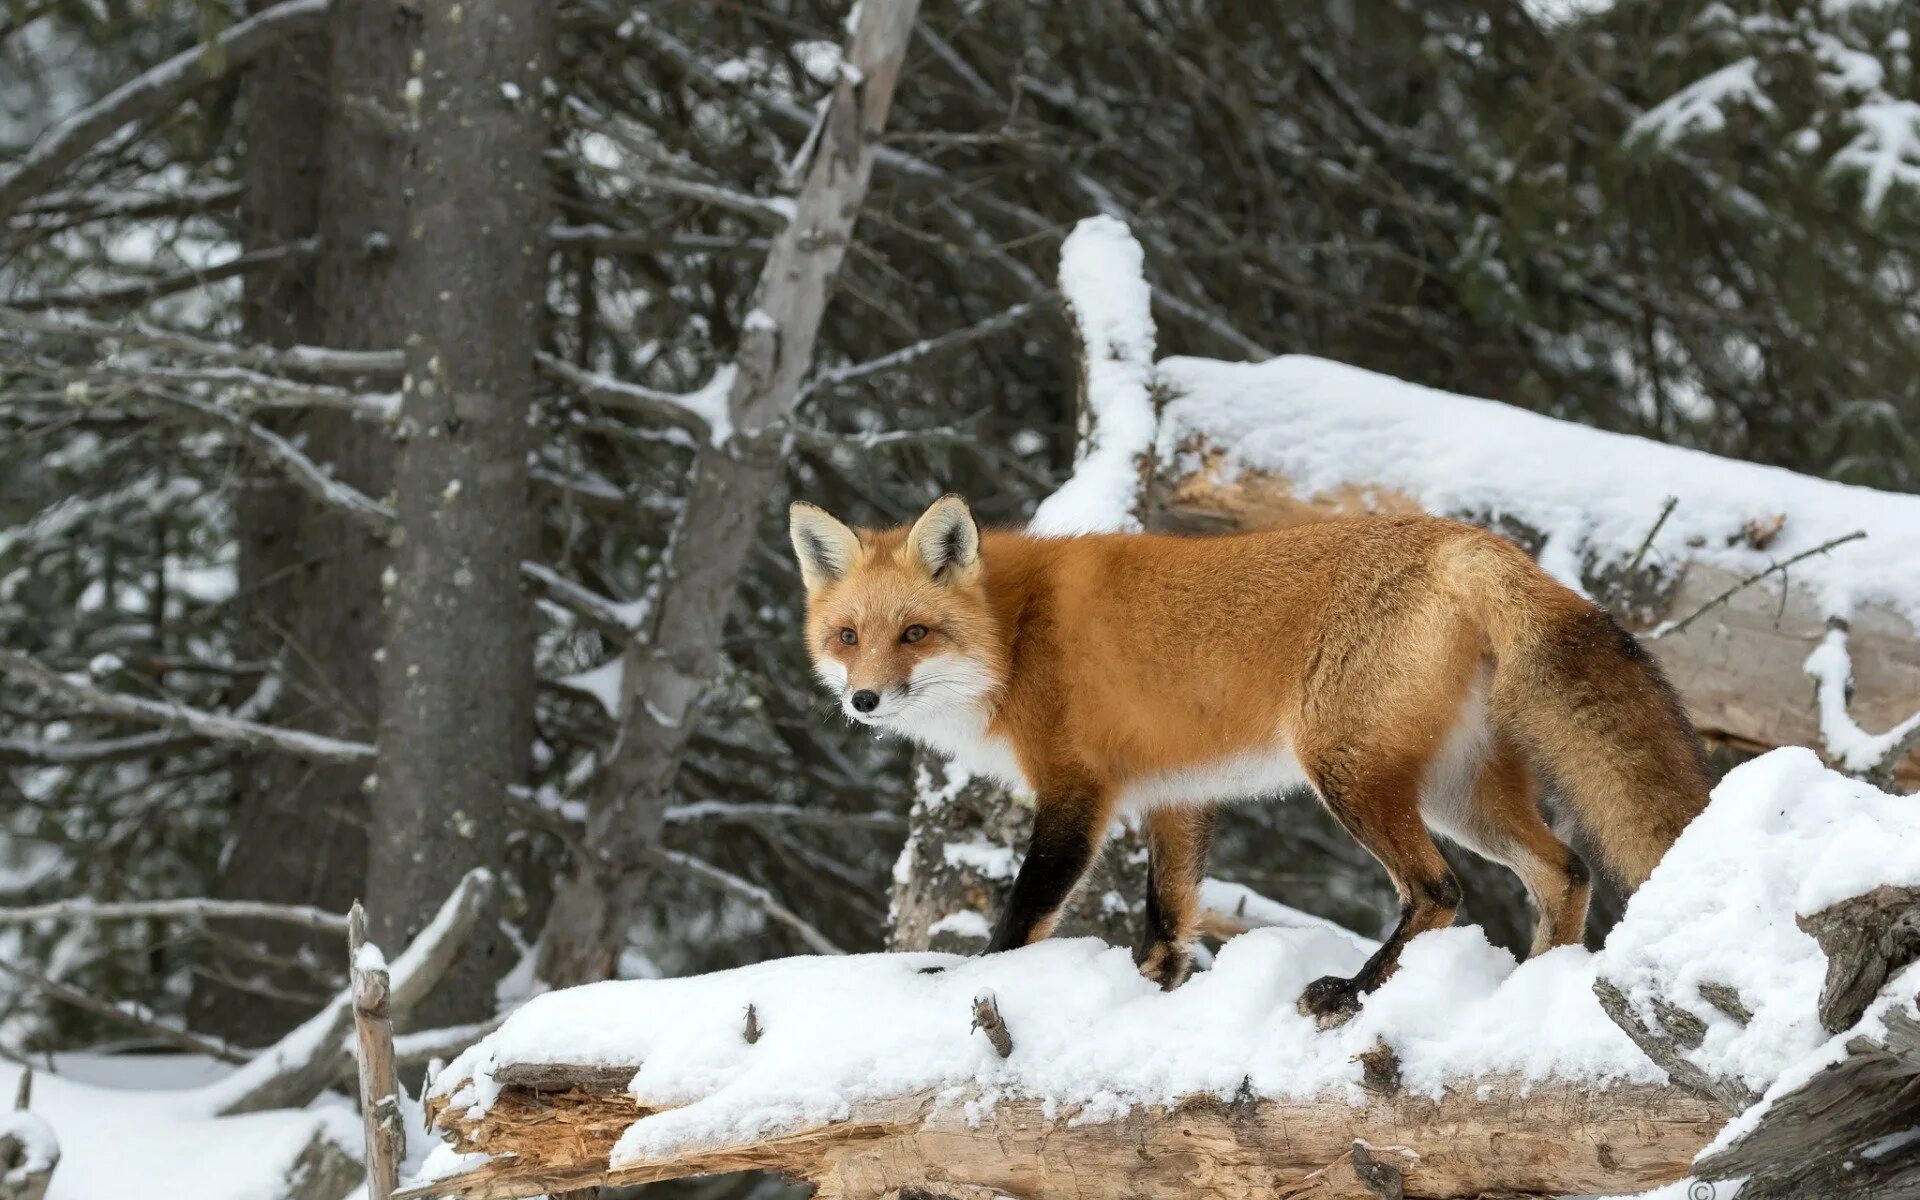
x=1494, y=1136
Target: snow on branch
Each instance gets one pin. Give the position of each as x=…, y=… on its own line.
x=1103, y=279
x=300, y=1065
x=157, y=90
x=702, y=412
x=1869, y=755
x=78, y=691
x=1885, y=151
x=1701, y=106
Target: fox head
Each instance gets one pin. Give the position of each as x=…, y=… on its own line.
x=898, y=624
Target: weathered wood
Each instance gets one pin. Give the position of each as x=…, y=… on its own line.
x=1494, y=1136
x=373, y=1037
x=1667, y=1040
x=1845, y=1132
x=1866, y=939
x=1741, y=670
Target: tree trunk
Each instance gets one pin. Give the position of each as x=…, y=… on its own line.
x=286, y=847
x=669, y=672
x=457, y=690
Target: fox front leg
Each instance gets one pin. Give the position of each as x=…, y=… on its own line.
x=1068, y=825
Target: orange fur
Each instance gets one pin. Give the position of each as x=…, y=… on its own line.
x=1415, y=672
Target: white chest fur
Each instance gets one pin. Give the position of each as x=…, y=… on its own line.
x=958, y=733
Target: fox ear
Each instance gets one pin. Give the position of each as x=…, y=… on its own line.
x=945, y=539
x=824, y=546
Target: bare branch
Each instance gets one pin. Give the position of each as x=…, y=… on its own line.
x=191, y=909
x=658, y=407
x=23, y=752
x=1672, y=627
x=310, y=359
x=718, y=810
x=157, y=90
x=906, y=355
x=309, y=746
x=166, y=285
x=280, y=453
x=752, y=893
x=137, y=1016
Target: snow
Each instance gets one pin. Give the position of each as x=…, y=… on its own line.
x=1260, y=912
x=1846, y=743
x=603, y=683
x=966, y=923
x=38, y=1151
x=1700, y=107
x=159, y=1141
x=1326, y=426
x=1783, y=837
x=1885, y=151
x=1102, y=275
x=1089, y=1033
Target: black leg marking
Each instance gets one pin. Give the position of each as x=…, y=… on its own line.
x=1066, y=833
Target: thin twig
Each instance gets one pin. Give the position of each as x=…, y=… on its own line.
x=1672, y=627
x=1666, y=510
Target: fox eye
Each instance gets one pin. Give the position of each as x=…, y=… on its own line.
x=913, y=633
x=848, y=637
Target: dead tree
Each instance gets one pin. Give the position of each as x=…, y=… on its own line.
x=669, y=671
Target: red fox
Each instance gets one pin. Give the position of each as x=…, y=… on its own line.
x=1418, y=674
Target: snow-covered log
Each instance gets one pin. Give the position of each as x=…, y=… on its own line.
x=1821, y=649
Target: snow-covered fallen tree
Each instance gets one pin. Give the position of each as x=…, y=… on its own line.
x=1057, y=1071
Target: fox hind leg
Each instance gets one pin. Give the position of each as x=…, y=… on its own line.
x=1177, y=840
x=1499, y=819
x=1378, y=803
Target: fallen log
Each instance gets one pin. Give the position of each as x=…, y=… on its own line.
x=1496, y=1136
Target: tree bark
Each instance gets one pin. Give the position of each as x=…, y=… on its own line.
x=457, y=687
x=669, y=673
x=286, y=847
x=1554, y=1137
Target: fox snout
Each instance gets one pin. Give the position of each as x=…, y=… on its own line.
x=864, y=700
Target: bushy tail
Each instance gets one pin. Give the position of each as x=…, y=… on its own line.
x=1590, y=706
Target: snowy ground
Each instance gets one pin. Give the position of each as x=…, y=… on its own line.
x=143, y=1125
x=1783, y=835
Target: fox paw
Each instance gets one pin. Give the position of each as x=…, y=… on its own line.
x=1166, y=964
x=1330, y=1000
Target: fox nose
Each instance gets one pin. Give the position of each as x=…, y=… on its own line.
x=866, y=701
